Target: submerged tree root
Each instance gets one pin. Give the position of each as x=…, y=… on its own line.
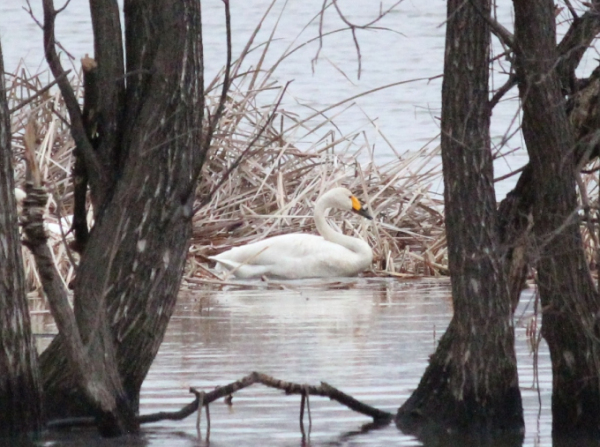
x=203, y=399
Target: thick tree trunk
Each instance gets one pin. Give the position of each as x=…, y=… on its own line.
x=134, y=258
x=570, y=302
x=583, y=111
x=20, y=390
x=471, y=384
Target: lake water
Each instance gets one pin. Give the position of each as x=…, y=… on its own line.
x=370, y=338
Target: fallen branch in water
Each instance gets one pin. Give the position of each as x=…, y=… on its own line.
x=324, y=390
x=380, y=417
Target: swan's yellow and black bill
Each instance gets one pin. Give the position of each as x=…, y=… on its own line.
x=358, y=209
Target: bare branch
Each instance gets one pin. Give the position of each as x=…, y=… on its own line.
x=321, y=17
x=510, y=174
x=571, y=9
x=353, y=30
x=576, y=41
x=381, y=15
x=59, y=10
x=77, y=129
x=226, y=81
x=29, y=11
x=324, y=390
x=509, y=84
x=351, y=26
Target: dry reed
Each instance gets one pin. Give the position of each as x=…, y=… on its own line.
x=274, y=188
x=271, y=192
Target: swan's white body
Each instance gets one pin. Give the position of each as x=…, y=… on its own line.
x=299, y=255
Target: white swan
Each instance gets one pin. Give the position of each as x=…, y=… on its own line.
x=300, y=255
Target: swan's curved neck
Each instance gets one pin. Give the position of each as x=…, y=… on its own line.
x=351, y=243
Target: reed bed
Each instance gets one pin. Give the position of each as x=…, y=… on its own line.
x=273, y=189
x=271, y=192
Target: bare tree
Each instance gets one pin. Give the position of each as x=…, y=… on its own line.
x=140, y=147
x=538, y=224
x=570, y=302
x=20, y=390
x=471, y=384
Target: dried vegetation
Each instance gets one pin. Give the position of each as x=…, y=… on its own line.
x=271, y=191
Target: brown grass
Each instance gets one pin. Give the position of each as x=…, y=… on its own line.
x=274, y=188
x=271, y=192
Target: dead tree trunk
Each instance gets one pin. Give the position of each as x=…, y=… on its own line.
x=142, y=168
x=570, y=303
x=20, y=390
x=471, y=384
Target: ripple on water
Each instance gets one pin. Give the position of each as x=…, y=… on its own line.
x=371, y=339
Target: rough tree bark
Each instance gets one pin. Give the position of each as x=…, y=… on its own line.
x=20, y=390
x=570, y=303
x=471, y=384
x=148, y=163
x=583, y=111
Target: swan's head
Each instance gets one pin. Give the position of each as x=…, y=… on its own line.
x=343, y=199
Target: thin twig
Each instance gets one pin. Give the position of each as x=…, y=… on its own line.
x=29, y=10
x=77, y=129
x=314, y=60
x=37, y=94
x=226, y=82
x=59, y=10
x=510, y=174
x=353, y=27
x=571, y=9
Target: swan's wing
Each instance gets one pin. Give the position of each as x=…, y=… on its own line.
x=271, y=250
x=291, y=256
x=241, y=270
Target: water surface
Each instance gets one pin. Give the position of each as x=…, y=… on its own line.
x=370, y=338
